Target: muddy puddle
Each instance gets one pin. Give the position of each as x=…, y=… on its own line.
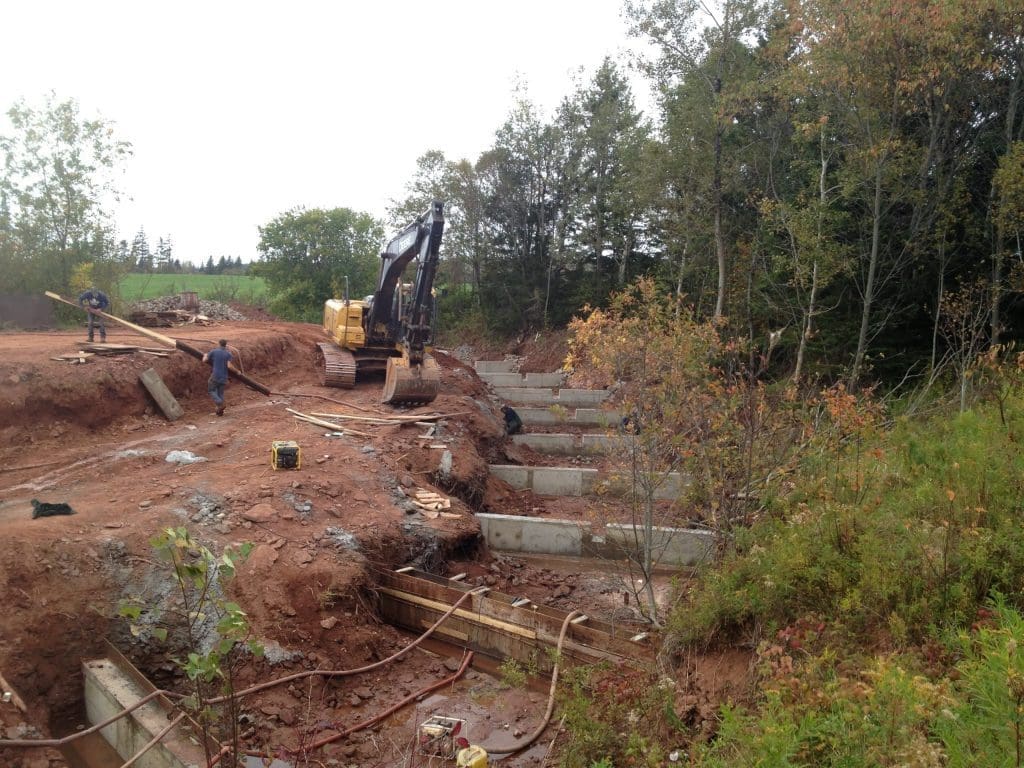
x=91, y=751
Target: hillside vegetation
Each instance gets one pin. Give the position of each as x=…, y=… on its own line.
x=871, y=555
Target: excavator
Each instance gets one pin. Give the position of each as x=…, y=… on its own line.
x=390, y=330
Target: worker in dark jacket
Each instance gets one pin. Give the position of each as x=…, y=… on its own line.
x=513, y=424
x=92, y=301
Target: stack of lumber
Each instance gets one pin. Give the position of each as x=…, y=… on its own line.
x=432, y=503
x=106, y=349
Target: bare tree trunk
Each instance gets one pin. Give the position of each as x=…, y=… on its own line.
x=808, y=328
x=679, y=278
x=719, y=237
x=869, y=288
x=938, y=304
x=997, y=255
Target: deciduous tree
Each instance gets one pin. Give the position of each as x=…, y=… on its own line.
x=309, y=256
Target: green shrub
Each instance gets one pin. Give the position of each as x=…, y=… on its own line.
x=907, y=537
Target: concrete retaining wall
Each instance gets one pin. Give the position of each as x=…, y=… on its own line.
x=495, y=366
x=513, y=533
x=576, y=481
x=670, y=545
x=107, y=692
x=546, y=380
x=571, y=445
x=540, y=536
x=568, y=398
x=580, y=417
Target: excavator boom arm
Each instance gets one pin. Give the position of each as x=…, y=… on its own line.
x=411, y=327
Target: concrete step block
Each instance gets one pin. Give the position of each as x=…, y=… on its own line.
x=553, y=380
x=540, y=536
x=108, y=691
x=671, y=546
x=559, y=444
x=495, y=366
x=568, y=398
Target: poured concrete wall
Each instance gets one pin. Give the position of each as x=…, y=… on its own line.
x=540, y=536
x=495, y=366
x=568, y=398
x=679, y=546
x=579, y=417
x=514, y=533
x=502, y=379
x=577, y=481
x=572, y=445
x=109, y=691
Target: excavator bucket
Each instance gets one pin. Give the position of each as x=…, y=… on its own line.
x=406, y=384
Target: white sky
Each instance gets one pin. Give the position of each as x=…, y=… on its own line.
x=239, y=111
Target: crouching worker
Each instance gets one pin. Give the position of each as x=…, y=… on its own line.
x=513, y=424
x=94, y=301
x=218, y=357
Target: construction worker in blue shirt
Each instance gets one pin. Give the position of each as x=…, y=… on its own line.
x=218, y=357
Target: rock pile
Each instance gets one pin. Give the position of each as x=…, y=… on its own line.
x=211, y=309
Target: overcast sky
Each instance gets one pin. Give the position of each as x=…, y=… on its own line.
x=239, y=111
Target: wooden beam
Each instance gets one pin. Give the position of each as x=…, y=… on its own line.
x=167, y=341
x=15, y=699
x=470, y=616
x=155, y=385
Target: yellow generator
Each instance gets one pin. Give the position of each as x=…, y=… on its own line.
x=389, y=331
x=285, y=454
x=471, y=757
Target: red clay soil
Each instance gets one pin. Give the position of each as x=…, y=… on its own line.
x=90, y=436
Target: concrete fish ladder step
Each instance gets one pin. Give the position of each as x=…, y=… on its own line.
x=495, y=366
x=578, y=481
x=568, y=398
x=572, y=445
x=542, y=536
x=577, y=417
x=548, y=380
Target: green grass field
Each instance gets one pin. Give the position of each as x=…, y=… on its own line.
x=249, y=290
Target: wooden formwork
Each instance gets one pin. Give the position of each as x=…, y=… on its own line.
x=504, y=626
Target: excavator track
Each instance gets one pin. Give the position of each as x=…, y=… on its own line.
x=406, y=384
x=337, y=366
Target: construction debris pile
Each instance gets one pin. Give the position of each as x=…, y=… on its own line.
x=167, y=311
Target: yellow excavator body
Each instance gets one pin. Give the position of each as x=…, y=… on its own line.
x=347, y=356
x=391, y=330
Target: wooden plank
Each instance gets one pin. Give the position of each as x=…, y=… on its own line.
x=541, y=618
x=463, y=636
x=504, y=626
x=15, y=698
x=151, y=381
x=168, y=341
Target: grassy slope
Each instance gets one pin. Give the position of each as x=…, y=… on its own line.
x=250, y=290
x=872, y=595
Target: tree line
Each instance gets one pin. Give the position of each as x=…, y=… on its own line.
x=57, y=181
x=844, y=178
